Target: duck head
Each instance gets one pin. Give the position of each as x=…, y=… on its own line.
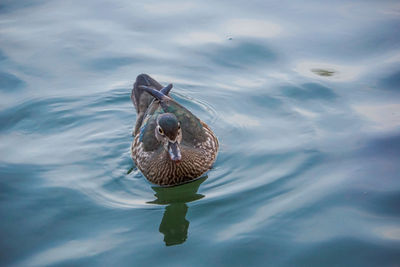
x=168, y=132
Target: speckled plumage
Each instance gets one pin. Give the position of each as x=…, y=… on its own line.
x=198, y=145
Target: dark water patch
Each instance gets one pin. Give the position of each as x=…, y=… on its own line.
x=338, y=123
x=116, y=98
x=375, y=205
x=25, y=69
x=251, y=252
x=10, y=82
x=60, y=114
x=18, y=179
x=343, y=251
x=22, y=189
x=3, y=57
x=260, y=99
x=386, y=205
x=382, y=39
x=270, y=188
x=263, y=185
x=385, y=146
x=9, y=6
x=40, y=116
x=47, y=210
x=33, y=71
x=309, y=91
x=391, y=82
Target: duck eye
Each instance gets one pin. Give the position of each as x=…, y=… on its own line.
x=160, y=130
x=179, y=126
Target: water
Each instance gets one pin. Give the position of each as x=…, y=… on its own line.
x=304, y=98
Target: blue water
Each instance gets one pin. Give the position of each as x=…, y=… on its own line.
x=303, y=96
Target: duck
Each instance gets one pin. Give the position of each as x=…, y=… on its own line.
x=171, y=146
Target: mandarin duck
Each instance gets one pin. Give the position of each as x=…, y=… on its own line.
x=171, y=146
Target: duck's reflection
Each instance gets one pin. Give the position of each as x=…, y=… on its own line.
x=174, y=225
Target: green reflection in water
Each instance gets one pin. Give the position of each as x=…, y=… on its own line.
x=174, y=225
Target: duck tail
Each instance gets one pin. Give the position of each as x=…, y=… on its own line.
x=142, y=100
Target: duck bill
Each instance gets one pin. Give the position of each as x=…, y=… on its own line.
x=174, y=152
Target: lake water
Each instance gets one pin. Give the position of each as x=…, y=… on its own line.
x=303, y=96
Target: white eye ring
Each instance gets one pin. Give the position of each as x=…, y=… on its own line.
x=160, y=130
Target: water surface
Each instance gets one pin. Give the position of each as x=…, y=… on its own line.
x=304, y=98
